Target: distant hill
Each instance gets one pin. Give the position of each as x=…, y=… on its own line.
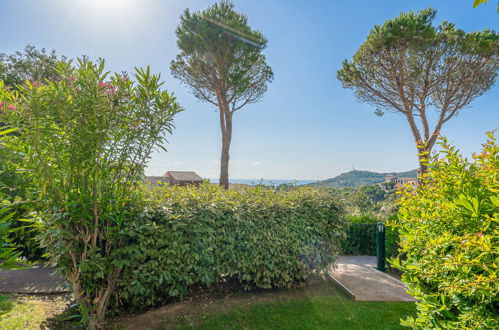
x=361, y=178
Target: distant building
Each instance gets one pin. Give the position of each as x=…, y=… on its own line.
x=391, y=179
x=179, y=178
x=157, y=180
x=183, y=178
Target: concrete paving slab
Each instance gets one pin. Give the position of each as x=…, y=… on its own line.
x=38, y=279
x=357, y=277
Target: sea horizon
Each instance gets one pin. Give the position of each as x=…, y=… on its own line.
x=254, y=182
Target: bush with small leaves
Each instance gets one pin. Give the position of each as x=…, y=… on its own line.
x=449, y=230
x=258, y=237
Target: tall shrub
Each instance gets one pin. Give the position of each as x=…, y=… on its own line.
x=15, y=186
x=86, y=138
x=9, y=201
x=8, y=253
x=257, y=237
x=449, y=230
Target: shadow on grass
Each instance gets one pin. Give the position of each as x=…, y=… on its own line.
x=69, y=318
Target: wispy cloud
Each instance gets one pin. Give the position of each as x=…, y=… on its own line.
x=255, y=163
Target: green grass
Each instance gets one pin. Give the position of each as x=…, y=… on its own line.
x=33, y=312
x=333, y=311
x=20, y=314
x=311, y=313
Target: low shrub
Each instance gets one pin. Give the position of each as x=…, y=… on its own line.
x=449, y=230
x=258, y=237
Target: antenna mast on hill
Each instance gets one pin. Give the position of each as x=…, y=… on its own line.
x=353, y=167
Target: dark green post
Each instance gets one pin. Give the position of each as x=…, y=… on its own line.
x=380, y=246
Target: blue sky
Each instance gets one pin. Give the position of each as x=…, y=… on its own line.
x=306, y=126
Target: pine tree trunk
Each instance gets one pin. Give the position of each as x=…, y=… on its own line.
x=423, y=156
x=226, y=128
x=224, y=159
x=424, y=146
x=423, y=168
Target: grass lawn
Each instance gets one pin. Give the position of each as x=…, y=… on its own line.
x=20, y=314
x=30, y=311
x=311, y=313
x=314, y=305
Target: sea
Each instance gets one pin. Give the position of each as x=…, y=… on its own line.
x=267, y=182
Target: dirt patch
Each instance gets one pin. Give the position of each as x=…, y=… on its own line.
x=219, y=300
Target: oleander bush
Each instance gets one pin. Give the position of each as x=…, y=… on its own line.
x=86, y=138
x=449, y=230
x=15, y=186
x=11, y=205
x=8, y=253
x=198, y=236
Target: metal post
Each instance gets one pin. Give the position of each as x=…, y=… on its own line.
x=380, y=246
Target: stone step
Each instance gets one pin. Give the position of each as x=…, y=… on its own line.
x=358, y=278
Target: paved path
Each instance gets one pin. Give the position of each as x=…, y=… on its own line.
x=357, y=277
x=37, y=279
x=354, y=274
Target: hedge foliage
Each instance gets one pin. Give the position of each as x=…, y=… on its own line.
x=360, y=241
x=449, y=229
x=361, y=237
x=258, y=237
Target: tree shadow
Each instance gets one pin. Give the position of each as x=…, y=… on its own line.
x=69, y=318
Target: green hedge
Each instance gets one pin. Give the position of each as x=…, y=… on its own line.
x=259, y=237
x=360, y=240
x=361, y=237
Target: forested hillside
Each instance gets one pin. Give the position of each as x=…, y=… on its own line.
x=361, y=178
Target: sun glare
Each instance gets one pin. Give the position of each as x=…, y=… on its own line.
x=101, y=19
x=108, y=5
x=108, y=12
